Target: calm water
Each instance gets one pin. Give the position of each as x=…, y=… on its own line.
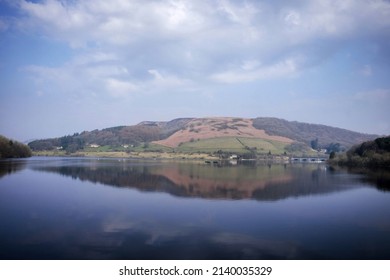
x=74, y=208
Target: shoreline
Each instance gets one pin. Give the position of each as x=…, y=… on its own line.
x=207, y=158
x=130, y=155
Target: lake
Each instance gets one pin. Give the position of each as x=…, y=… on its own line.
x=90, y=208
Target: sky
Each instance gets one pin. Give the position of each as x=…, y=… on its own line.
x=69, y=66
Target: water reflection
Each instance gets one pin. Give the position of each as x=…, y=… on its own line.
x=118, y=209
x=377, y=177
x=7, y=167
x=260, y=182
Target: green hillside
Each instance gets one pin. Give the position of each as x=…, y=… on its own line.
x=234, y=145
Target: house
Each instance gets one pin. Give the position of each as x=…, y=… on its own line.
x=94, y=146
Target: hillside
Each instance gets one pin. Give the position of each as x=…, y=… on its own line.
x=209, y=135
x=305, y=132
x=115, y=136
x=206, y=128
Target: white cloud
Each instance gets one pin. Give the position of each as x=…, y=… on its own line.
x=121, y=21
x=119, y=88
x=100, y=74
x=249, y=65
x=165, y=80
x=95, y=73
x=180, y=41
x=117, y=22
x=156, y=74
x=59, y=19
x=95, y=58
x=293, y=18
x=239, y=12
x=336, y=20
x=249, y=71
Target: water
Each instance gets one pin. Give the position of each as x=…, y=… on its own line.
x=77, y=208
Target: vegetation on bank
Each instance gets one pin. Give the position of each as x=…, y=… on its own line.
x=368, y=154
x=128, y=154
x=13, y=149
x=212, y=148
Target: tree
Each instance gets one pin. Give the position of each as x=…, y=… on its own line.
x=13, y=149
x=314, y=144
x=334, y=147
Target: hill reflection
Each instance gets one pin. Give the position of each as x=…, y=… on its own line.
x=259, y=182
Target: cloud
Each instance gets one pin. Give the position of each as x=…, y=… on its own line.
x=166, y=80
x=119, y=88
x=95, y=72
x=250, y=71
x=99, y=74
x=117, y=23
x=292, y=18
x=182, y=43
x=148, y=53
x=242, y=13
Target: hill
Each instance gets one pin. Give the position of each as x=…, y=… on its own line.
x=210, y=135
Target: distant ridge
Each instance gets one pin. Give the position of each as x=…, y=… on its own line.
x=179, y=131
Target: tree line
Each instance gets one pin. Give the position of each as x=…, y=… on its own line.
x=370, y=153
x=13, y=149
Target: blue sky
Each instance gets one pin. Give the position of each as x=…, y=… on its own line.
x=70, y=66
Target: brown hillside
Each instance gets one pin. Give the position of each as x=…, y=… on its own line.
x=205, y=128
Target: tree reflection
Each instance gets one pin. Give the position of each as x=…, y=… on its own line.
x=8, y=167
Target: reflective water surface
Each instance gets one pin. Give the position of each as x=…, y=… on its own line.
x=79, y=208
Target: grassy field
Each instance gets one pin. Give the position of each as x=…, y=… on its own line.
x=145, y=147
x=196, y=149
x=234, y=145
x=264, y=146
x=140, y=155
